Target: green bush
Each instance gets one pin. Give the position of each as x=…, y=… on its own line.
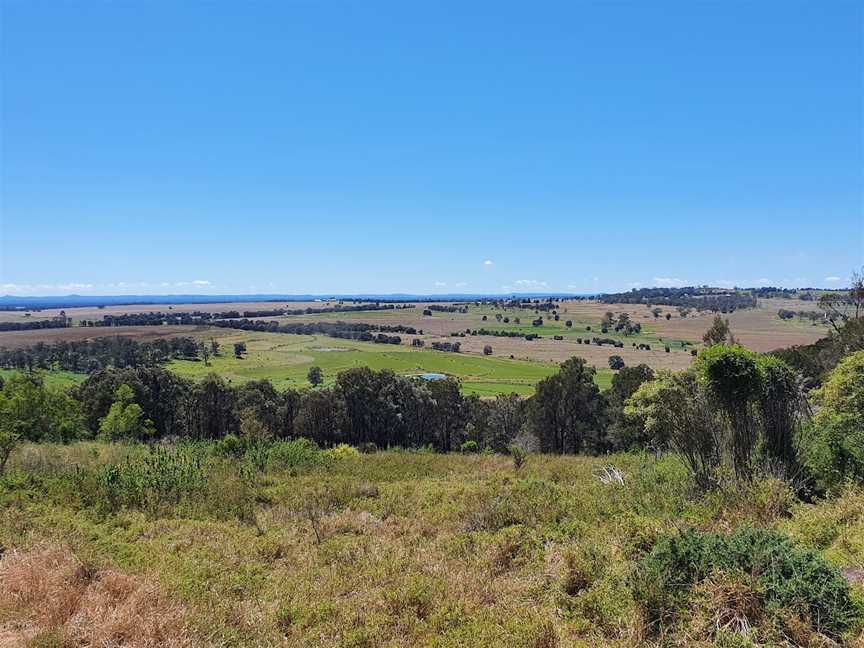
x=469, y=446
x=164, y=477
x=790, y=579
x=293, y=454
x=833, y=443
x=229, y=446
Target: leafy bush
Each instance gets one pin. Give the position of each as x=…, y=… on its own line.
x=163, y=477
x=789, y=579
x=469, y=446
x=833, y=442
x=293, y=454
x=229, y=446
x=342, y=451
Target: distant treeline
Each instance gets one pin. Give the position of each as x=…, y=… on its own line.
x=88, y=356
x=345, y=330
x=159, y=318
x=706, y=299
x=813, y=316
x=34, y=325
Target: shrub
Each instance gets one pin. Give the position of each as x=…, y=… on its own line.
x=293, y=454
x=342, y=451
x=789, y=580
x=616, y=362
x=833, y=442
x=229, y=446
x=367, y=448
x=469, y=447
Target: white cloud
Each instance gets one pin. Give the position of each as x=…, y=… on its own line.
x=833, y=279
x=75, y=286
x=440, y=284
x=201, y=282
x=488, y=263
x=460, y=284
x=763, y=281
x=669, y=282
x=529, y=283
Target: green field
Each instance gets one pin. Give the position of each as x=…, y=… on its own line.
x=286, y=359
x=60, y=379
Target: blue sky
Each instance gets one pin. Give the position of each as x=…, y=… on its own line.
x=225, y=147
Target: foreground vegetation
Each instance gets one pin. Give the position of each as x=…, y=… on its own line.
x=718, y=506
x=290, y=545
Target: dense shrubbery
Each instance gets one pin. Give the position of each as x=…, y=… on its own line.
x=779, y=577
x=834, y=439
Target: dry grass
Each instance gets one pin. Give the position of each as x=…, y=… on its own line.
x=23, y=339
x=49, y=592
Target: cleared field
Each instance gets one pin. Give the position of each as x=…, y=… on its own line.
x=61, y=379
x=23, y=339
x=286, y=359
x=515, y=365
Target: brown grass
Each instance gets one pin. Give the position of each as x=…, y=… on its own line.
x=48, y=591
x=23, y=339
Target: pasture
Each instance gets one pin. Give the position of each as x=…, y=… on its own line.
x=286, y=359
x=516, y=364
x=399, y=549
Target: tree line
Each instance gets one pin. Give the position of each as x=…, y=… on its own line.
x=700, y=298
x=159, y=318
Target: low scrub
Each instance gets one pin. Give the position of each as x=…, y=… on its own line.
x=761, y=571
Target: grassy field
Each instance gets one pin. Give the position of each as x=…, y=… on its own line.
x=396, y=549
x=286, y=359
x=61, y=379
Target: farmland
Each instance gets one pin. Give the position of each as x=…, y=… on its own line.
x=286, y=359
x=515, y=364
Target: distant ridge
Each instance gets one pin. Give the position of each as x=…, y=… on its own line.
x=8, y=302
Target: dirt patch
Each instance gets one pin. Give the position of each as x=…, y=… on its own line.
x=49, y=592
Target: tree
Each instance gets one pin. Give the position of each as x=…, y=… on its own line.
x=125, y=420
x=209, y=409
x=841, y=307
x=567, y=409
x=487, y=350
x=252, y=429
x=449, y=415
x=616, y=362
x=315, y=376
x=674, y=412
x=504, y=421
x=205, y=353
x=33, y=412
x=321, y=417
x=833, y=442
x=239, y=349
x=719, y=333
x=214, y=347
x=568, y=323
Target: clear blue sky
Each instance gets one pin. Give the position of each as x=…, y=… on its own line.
x=165, y=147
